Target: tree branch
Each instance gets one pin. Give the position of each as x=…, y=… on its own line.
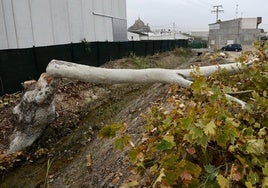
x=234, y=99
x=240, y=92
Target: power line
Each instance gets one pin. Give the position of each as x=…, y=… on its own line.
x=217, y=11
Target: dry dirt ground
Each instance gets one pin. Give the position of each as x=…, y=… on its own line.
x=69, y=153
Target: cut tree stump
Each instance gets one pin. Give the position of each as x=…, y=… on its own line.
x=35, y=111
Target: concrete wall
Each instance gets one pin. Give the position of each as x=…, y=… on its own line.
x=27, y=23
x=243, y=31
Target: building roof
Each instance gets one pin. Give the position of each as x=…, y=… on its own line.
x=257, y=20
x=139, y=27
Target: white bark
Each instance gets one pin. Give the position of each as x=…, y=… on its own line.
x=234, y=99
x=85, y=73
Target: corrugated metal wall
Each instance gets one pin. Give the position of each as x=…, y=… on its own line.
x=27, y=23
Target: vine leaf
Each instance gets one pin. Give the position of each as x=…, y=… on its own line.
x=159, y=178
x=253, y=178
x=190, y=167
x=211, y=171
x=109, y=131
x=222, y=181
x=196, y=132
x=255, y=146
x=121, y=142
x=265, y=182
x=166, y=143
x=210, y=128
x=265, y=169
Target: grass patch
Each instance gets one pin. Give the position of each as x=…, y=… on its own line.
x=183, y=52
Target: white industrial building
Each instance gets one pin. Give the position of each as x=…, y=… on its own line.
x=28, y=23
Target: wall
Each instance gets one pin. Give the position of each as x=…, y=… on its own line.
x=249, y=23
x=27, y=23
x=133, y=36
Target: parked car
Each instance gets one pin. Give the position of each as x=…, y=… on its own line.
x=264, y=38
x=232, y=47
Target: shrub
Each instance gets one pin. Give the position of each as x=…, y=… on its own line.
x=197, y=138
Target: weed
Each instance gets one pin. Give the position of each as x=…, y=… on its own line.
x=49, y=164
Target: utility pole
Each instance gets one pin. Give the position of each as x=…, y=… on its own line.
x=174, y=30
x=217, y=11
x=236, y=11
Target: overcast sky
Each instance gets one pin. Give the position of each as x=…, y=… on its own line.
x=191, y=15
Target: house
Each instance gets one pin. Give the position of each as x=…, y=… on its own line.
x=28, y=23
x=140, y=31
x=242, y=30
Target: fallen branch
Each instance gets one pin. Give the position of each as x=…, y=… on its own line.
x=111, y=76
x=234, y=99
x=240, y=92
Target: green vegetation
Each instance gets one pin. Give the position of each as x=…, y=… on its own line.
x=138, y=62
x=162, y=60
x=183, y=52
x=86, y=45
x=197, y=138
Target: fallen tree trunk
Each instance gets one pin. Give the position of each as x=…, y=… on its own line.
x=36, y=109
x=63, y=69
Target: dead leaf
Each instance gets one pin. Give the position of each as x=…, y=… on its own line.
x=235, y=175
x=89, y=163
x=191, y=150
x=186, y=176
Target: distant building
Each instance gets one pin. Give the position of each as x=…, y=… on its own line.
x=139, y=27
x=202, y=35
x=27, y=23
x=242, y=30
x=140, y=31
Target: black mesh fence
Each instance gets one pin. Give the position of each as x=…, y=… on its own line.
x=19, y=65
